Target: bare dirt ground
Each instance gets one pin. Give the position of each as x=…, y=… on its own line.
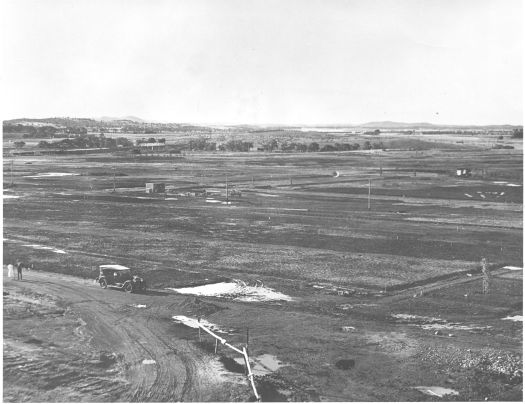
x=385, y=302
x=66, y=340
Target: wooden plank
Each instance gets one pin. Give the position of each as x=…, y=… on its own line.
x=250, y=374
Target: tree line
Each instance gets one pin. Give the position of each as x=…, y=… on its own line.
x=204, y=144
x=87, y=141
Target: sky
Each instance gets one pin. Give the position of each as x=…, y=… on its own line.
x=295, y=62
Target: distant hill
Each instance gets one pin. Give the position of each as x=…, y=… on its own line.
x=426, y=125
x=125, y=118
x=397, y=125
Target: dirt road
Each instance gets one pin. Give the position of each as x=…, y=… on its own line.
x=158, y=365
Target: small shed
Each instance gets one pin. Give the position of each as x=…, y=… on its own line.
x=155, y=187
x=463, y=172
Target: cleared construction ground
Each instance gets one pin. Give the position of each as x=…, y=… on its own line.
x=342, y=302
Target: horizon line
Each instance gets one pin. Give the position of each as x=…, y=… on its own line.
x=316, y=125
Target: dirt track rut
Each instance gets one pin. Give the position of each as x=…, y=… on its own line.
x=181, y=371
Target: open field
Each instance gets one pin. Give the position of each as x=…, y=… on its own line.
x=394, y=289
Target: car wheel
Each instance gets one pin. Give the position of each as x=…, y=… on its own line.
x=128, y=287
x=103, y=284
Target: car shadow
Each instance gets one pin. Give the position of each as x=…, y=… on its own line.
x=153, y=293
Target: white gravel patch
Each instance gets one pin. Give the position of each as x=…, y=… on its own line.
x=436, y=391
x=194, y=323
x=236, y=291
x=514, y=318
x=45, y=175
x=43, y=247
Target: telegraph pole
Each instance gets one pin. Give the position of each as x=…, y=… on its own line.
x=227, y=200
x=369, y=192
x=113, y=178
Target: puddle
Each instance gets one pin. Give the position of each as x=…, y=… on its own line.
x=235, y=365
x=11, y=196
x=43, y=247
x=436, y=323
x=436, y=391
x=513, y=318
x=148, y=362
x=345, y=364
x=139, y=306
x=266, y=364
x=194, y=323
x=46, y=175
x=513, y=185
x=212, y=201
x=470, y=196
x=234, y=290
x=261, y=365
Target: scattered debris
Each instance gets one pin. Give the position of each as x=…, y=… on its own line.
x=347, y=328
x=436, y=391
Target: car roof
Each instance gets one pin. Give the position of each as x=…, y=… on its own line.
x=115, y=267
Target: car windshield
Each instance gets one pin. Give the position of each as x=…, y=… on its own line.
x=118, y=272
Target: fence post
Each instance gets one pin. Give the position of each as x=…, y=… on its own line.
x=199, y=319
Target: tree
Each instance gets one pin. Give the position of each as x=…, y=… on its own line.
x=517, y=133
x=43, y=144
x=313, y=147
x=367, y=145
x=20, y=144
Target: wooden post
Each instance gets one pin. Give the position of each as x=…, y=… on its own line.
x=247, y=338
x=199, y=319
x=216, y=344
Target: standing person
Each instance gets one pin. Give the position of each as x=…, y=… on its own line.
x=10, y=271
x=19, y=266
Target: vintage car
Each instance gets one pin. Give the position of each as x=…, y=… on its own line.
x=119, y=276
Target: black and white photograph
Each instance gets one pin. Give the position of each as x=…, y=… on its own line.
x=262, y=200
